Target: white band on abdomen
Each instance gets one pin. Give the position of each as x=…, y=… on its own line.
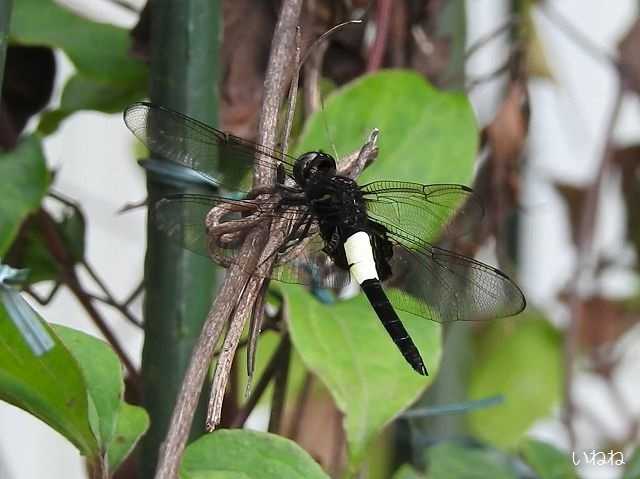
x=360, y=257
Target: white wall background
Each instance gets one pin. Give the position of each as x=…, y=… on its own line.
x=92, y=154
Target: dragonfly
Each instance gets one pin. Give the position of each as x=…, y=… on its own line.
x=382, y=235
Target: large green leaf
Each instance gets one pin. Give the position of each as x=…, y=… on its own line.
x=51, y=387
x=426, y=135
x=521, y=359
x=237, y=453
x=116, y=424
x=24, y=182
x=96, y=49
x=103, y=376
x=451, y=461
x=108, y=77
x=76, y=388
x=348, y=348
x=547, y=461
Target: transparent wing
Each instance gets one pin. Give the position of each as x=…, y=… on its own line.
x=444, y=286
x=314, y=268
x=176, y=137
x=422, y=211
x=182, y=217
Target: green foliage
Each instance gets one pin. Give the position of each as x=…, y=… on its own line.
x=236, y=454
x=76, y=388
x=24, y=183
x=107, y=77
x=547, y=461
x=32, y=251
x=632, y=471
x=102, y=372
x=349, y=350
x=449, y=460
x=521, y=359
x=407, y=472
x=131, y=423
x=426, y=135
x=51, y=387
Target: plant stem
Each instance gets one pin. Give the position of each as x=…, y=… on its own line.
x=179, y=284
x=280, y=387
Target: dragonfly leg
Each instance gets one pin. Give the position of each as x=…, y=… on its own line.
x=331, y=246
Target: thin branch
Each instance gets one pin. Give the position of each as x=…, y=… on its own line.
x=301, y=405
x=134, y=294
x=109, y=298
x=280, y=387
x=580, y=39
x=268, y=373
x=379, y=47
x=68, y=275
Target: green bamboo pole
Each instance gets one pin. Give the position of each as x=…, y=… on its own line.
x=5, y=20
x=185, y=39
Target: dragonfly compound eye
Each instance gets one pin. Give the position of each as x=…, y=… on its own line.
x=312, y=163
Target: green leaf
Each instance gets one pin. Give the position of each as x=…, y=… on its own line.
x=132, y=423
x=96, y=49
x=51, y=387
x=426, y=135
x=247, y=454
x=531, y=384
x=449, y=460
x=103, y=376
x=82, y=92
x=407, y=472
x=108, y=77
x=31, y=250
x=547, y=461
x=24, y=182
x=348, y=348
x=632, y=471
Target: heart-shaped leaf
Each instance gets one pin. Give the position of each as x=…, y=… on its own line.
x=348, y=348
x=426, y=135
x=237, y=453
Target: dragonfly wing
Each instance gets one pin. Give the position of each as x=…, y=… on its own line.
x=423, y=211
x=314, y=268
x=176, y=137
x=445, y=286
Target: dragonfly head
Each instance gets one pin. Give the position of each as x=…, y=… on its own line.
x=313, y=163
